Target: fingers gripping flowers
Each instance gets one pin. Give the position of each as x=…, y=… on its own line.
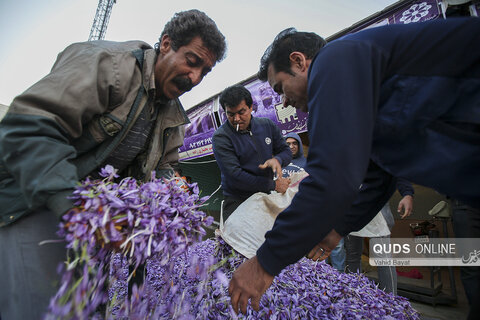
x=137, y=219
x=120, y=225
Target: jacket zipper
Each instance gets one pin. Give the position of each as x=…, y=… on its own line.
x=256, y=146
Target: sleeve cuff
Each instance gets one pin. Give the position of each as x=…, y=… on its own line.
x=279, y=160
x=272, y=185
x=269, y=261
x=342, y=230
x=59, y=203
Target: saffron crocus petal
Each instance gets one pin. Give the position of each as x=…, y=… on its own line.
x=156, y=218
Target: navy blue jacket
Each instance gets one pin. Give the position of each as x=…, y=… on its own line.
x=399, y=100
x=239, y=154
x=405, y=188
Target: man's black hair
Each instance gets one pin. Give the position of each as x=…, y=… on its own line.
x=186, y=25
x=234, y=95
x=177, y=169
x=286, y=42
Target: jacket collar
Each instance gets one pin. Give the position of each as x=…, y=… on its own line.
x=150, y=57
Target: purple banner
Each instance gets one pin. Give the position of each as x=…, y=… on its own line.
x=420, y=11
x=268, y=104
x=199, y=132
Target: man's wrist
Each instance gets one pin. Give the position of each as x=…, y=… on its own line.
x=268, y=261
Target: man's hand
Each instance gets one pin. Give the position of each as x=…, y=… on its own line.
x=322, y=250
x=405, y=204
x=274, y=164
x=249, y=281
x=281, y=184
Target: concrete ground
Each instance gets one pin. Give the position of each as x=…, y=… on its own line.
x=428, y=312
x=440, y=311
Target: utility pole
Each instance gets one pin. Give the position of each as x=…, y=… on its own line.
x=100, y=23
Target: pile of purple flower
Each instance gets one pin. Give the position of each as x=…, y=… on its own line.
x=137, y=220
x=118, y=227
x=304, y=290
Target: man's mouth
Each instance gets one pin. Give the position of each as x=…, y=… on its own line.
x=182, y=83
x=237, y=125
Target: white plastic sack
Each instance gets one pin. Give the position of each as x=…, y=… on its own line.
x=245, y=229
x=377, y=227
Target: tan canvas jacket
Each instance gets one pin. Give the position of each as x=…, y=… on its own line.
x=66, y=125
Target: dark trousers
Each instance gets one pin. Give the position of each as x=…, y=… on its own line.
x=28, y=271
x=387, y=275
x=466, y=224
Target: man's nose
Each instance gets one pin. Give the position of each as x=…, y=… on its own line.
x=236, y=117
x=285, y=100
x=195, y=76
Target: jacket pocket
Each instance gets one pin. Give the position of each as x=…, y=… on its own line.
x=12, y=202
x=109, y=125
x=102, y=127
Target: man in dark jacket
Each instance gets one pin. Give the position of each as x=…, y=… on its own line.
x=102, y=103
x=250, y=152
x=392, y=101
x=299, y=161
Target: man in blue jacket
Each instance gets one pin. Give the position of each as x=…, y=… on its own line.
x=392, y=101
x=299, y=161
x=250, y=152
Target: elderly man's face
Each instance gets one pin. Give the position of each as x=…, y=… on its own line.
x=177, y=72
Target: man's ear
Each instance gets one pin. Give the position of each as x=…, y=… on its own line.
x=298, y=60
x=165, y=44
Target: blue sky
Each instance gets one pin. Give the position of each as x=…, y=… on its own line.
x=33, y=32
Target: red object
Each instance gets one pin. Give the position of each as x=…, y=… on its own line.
x=413, y=273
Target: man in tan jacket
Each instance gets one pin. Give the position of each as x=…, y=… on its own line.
x=102, y=103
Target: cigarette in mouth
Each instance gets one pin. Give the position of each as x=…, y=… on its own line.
x=237, y=126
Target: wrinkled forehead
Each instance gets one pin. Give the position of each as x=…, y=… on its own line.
x=198, y=48
x=198, y=53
